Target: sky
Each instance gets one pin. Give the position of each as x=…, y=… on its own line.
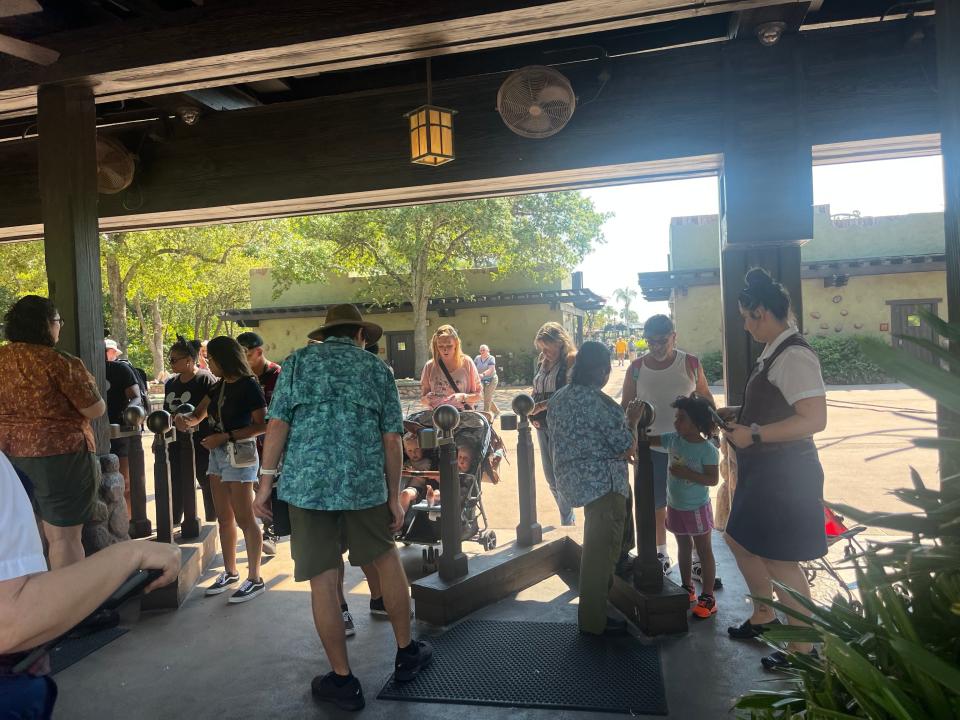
x=638, y=234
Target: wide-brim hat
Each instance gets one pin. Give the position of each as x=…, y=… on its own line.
x=347, y=314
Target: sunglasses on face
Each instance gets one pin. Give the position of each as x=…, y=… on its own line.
x=658, y=342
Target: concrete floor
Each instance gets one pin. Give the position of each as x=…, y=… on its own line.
x=213, y=660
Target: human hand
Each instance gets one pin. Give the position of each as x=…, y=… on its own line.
x=682, y=471
x=728, y=414
x=214, y=441
x=631, y=454
x=634, y=410
x=739, y=435
x=180, y=422
x=262, y=505
x=159, y=556
x=396, y=512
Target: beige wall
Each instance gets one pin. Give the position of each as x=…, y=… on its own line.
x=508, y=329
x=861, y=309
x=352, y=289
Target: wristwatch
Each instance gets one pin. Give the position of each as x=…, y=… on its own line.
x=755, y=434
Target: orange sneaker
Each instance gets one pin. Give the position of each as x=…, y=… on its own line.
x=705, y=607
x=691, y=593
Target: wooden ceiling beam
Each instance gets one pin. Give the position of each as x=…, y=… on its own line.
x=352, y=152
x=222, y=45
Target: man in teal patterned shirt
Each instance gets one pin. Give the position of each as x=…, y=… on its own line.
x=335, y=418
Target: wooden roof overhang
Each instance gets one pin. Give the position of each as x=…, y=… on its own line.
x=335, y=139
x=581, y=299
x=658, y=286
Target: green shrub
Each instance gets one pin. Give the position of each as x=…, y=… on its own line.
x=712, y=366
x=516, y=368
x=843, y=363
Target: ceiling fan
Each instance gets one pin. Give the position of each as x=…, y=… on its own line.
x=20, y=48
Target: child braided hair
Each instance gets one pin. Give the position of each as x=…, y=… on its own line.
x=698, y=409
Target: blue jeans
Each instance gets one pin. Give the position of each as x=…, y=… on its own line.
x=546, y=459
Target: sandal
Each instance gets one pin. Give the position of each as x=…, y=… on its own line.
x=748, y=631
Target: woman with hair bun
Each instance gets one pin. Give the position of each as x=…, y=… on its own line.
x=777, y=516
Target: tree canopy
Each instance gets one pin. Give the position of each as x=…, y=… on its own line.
x=411, y=254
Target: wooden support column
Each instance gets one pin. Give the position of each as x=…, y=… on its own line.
x=766, y=187
x=948, y=74
x=66, y=123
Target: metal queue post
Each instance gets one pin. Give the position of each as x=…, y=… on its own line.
x=133, y=417
x=529, y=532
x=453, y=561
x=647, y=571
x=160, y=424
x=187, y=463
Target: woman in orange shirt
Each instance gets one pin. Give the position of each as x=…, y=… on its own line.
x=47, y=400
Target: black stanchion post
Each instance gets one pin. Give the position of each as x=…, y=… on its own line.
x=140, y=525
x=453, y=562
x=190, y=525
x=647, y=571
x=159, y=424
x=529, y=531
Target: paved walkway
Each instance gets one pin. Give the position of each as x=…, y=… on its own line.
x=211, y=660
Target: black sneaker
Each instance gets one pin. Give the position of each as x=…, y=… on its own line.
x=346, y=697
x=223, y=581
x=409, y=664
x=377, y=607
x=248, y=591
x=624, y=566
x=349, y=629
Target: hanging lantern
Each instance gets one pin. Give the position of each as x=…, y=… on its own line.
x=431, y=131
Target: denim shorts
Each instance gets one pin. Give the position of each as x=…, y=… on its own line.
x=219, y=464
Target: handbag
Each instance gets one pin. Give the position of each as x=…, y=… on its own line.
x=453, y=383
x=240, y=453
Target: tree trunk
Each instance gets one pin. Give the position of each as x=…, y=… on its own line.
x=156, y=340
x=118, y=291
x=420, y=300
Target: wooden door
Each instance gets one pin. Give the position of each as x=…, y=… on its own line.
x=905, y=320
x=400, y=354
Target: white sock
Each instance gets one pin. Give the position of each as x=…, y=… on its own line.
x=662, y=550
x=696, y=558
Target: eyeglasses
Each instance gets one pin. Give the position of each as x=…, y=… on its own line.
x=658, y=342
x=175, y=360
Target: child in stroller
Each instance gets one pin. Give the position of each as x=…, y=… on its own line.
x=479, y=452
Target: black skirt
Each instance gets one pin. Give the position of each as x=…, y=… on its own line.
x=777, y=510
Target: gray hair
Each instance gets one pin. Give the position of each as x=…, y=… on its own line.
x=484, y=347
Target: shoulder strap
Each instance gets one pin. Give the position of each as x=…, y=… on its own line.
x=450, y=379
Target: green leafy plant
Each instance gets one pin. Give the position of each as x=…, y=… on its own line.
x=712, y=366
x=843, y=362
x=898, y=655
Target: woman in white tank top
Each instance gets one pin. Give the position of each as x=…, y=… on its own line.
x=659, y=377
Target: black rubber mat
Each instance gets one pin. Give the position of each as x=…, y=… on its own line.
x=74, y=649
x=544, y=665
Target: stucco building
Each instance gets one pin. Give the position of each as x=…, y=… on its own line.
x=860, y=276
x=503, y=312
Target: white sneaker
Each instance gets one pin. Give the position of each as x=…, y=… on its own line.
x=665, y=561
x=269, y=547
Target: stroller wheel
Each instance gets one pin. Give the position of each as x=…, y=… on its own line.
x=857, y=607
x=488, y=539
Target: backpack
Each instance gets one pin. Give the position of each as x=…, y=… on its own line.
x=141, y=376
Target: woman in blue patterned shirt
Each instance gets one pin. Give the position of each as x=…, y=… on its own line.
x=591, y=443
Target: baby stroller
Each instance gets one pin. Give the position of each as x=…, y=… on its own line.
x=422, y=523
x=837, y=532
